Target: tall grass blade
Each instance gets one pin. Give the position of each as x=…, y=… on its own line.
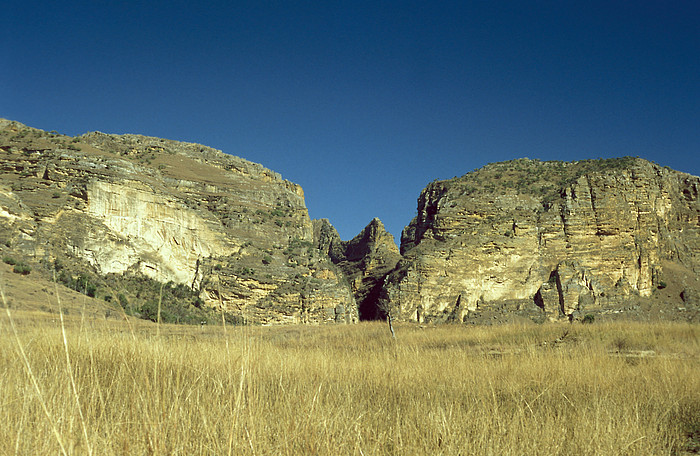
x=28, y=367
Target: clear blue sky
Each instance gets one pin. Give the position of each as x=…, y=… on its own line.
x=364, y=103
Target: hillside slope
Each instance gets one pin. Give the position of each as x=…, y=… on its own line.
x=109, y=210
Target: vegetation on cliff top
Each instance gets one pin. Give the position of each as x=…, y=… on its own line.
x=535, y=177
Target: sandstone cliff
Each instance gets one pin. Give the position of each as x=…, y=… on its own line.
x=365, y=261
x=139, y=220
x=552, y=239
x=120, y=205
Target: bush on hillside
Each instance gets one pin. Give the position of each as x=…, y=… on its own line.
x=21, y=268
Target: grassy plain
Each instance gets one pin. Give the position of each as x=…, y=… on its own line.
x=108, y=387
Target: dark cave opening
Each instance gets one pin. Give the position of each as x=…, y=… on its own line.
x=370, y=308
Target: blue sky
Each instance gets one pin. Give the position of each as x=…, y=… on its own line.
x=364, y=103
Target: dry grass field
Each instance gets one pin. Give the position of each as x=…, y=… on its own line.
x=104, y=387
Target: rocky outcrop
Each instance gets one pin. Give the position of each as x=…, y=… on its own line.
x=551, y=237
x=365, y=261
x=525, y=239
x=234, y=231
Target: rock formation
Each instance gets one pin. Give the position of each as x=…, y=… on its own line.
x=555, y=238
x=519, y=239
x=234, y=231
x=365, y=261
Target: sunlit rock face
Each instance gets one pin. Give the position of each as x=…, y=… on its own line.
x=537, y=240
x=554, y=237
x=234, y=231
x=159, y=231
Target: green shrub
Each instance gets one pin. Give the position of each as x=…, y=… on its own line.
x=588, y=319
x=232, y=319
x=21, y=268
x=278, y=213
x=82, y=284
x=91, y=290
x=149, y=311
x=9, y=260
x=662, y=285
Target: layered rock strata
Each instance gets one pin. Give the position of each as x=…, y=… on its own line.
x=550, y=237
x=231, y=229
x=540, y=240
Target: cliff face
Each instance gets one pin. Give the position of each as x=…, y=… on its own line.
x=551, y=238
x=234, y=231
x=365, y=261
x=530, y=239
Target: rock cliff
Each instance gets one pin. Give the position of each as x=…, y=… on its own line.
x=550, y=239
x=146, y=221
x=365, y=261
x=119, y=205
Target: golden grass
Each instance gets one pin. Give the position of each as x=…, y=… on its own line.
x=623, y=388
